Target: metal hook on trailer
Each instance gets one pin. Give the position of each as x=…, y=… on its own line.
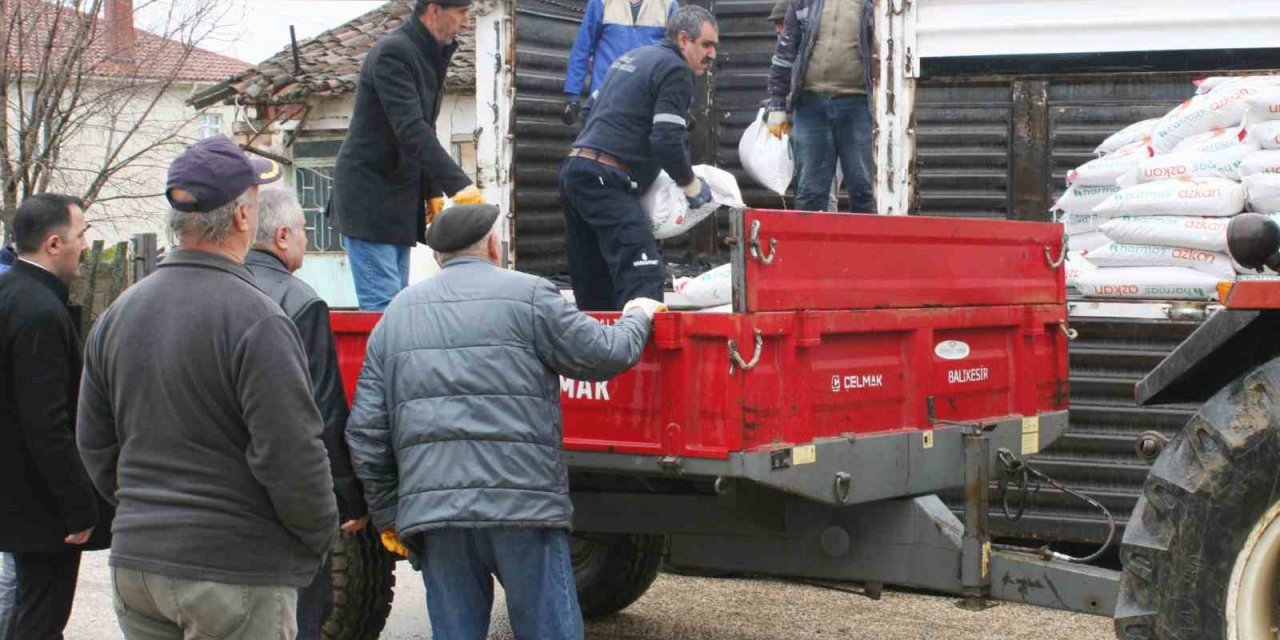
x=754, y=245
x=735, y=358
x=1071, y=334
x=1062, y=255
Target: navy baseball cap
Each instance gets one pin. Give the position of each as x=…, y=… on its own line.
x=216, y=171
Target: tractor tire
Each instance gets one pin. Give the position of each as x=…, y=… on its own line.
x=613, y=570
x=1200, y=526
x=364, y=580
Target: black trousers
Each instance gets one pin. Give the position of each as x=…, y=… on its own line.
x=46, y=590
x=613, y=257
x=315, y=603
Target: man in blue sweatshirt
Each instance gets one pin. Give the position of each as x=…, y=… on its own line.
x=609, y=29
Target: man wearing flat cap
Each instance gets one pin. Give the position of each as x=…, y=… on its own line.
x=196, y=419
x=392, y=173
x=455, y=429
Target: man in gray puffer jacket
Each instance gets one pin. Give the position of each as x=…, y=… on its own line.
x=455, y=429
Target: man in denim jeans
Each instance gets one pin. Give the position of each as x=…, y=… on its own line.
x=819, y=85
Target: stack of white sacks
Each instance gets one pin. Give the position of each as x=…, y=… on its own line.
x=1148, y=218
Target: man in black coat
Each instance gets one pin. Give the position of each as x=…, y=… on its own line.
x=50, y=511
x=278, y=251
x=392, y=172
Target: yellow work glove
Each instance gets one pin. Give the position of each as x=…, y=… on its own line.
x=470, y=195
x=778, y=124
x=434, y=207
x=392, y=542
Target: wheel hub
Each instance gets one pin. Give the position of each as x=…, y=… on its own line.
x=1251, y=596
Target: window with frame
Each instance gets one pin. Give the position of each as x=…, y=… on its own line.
x=210, y=125
x=313, y=162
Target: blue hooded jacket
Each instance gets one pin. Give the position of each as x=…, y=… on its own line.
x=608, y=31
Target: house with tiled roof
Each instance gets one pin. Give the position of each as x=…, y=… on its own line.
x=133, y=87
x=295, y=107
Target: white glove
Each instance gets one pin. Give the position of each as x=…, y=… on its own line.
x=648, y=306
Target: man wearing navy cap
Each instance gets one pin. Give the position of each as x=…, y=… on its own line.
x=455, y=429
x=197, y=420
x=392, y=173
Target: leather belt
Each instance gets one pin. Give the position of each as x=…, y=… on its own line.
x=601, y=157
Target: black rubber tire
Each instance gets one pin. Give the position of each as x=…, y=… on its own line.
x=1203, y=497
x=364, y=582
x=613, y=570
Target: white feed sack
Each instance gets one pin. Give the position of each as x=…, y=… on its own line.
x=1075, y=265
x=1086, y=241
x=1204, y=197
x=1263, y=190
x=1218, y=83
x=766, y=159
x=710, y=289
x=668, y=210
x=1135, y=255
x=1260, y=162
x=1104, y=171
x=1139, y=283
x=1135, y=132
x=1263, y=106
x=1206, y=234
x=1075, y=208
x=1214, y=110
x=1193, y=164
x=1266, y=133
x=1216, y=140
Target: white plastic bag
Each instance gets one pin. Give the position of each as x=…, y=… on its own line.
x=1207, y=197
x=766, y=159
x=1086, y=241
x=1263, y=190
x=1217, y=109
x=1137, y=255
x=1167, y=283
x=710, y=289
x=1260, y=162
x=1133, y=133
x=668, y=210
x=1207, y=234
x=1103, y=172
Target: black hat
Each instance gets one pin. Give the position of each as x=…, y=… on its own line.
x=447, y=3
x=460, y=226
x=216, y=171
x=779, y=11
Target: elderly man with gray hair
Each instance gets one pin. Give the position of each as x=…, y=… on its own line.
x=455, y=429
x=197, y=419
x=278, y=252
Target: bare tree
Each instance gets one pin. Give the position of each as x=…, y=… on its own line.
x=87, y=106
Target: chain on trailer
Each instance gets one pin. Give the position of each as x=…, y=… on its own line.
x=1023, y=475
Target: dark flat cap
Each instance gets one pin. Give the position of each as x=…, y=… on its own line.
x=460, y=226
x=779, y=11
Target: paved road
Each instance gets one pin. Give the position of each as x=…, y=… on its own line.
x=679, y=607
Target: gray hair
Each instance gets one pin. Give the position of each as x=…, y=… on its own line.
x=689, y=19
x=212, y=227
x=478, y=248
x=276, y=208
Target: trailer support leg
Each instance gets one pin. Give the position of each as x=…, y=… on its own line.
x=975, y=546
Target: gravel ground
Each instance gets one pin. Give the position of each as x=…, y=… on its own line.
x=706, y=609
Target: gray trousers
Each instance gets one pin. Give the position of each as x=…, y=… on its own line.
x=151, y=606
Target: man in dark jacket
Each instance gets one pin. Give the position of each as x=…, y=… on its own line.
x=819, y=85
x=455, y=429
x=636, y=128
x=49, y=510
x=197, y=419
x=278, y=252
x=392, y=172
